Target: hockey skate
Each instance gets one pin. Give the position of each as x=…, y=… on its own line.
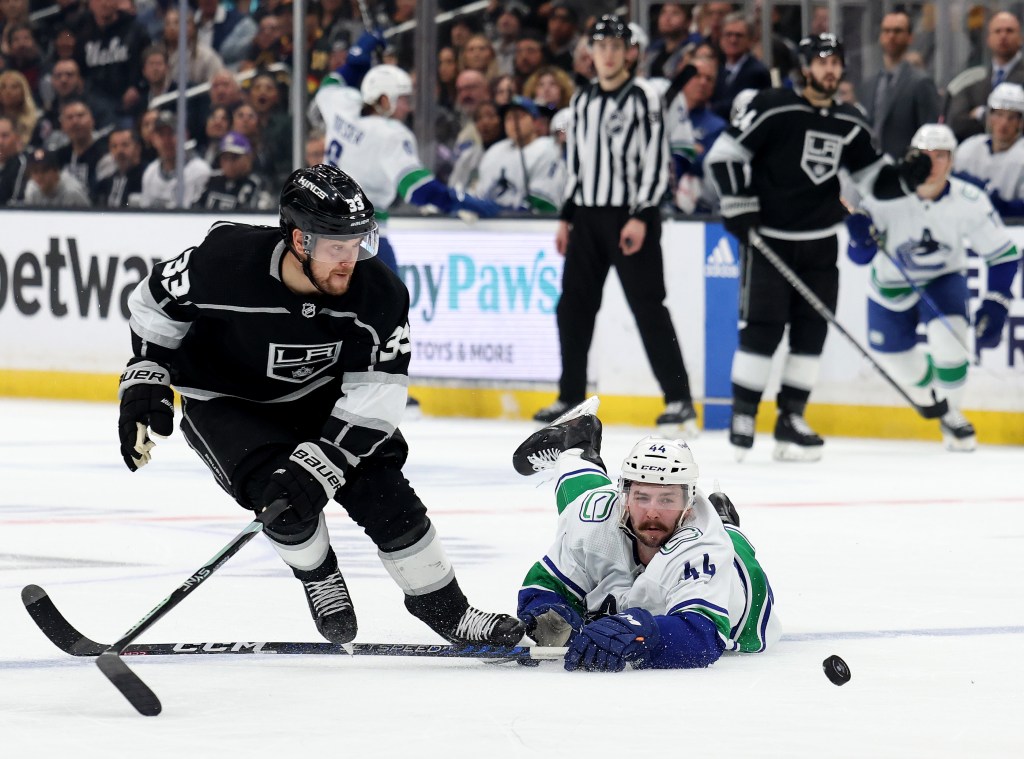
x=550, y=414
x=329, y=601
x=481, y=627
x=957, y=432
x=678, y=420
x=795, y=440
x=412, y=410
x=575, y=428
x=741, y=434
x=725, y=508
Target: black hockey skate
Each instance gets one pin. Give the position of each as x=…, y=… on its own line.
x=725, y=508
x=576, y=428
x=957, y=432
x=678, y=420
x=329, y=601
x=795, y=440
x=741, y=434
x=475, y=627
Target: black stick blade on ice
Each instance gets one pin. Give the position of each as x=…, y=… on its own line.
x=131, y=686
x=55, y=626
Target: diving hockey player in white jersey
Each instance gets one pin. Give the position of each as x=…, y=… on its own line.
x=650, y=572
x=923, y=237
x=367, y=139
x=995, y=161
x=524, y=171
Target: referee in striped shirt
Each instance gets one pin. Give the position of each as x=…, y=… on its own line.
x=618, y=171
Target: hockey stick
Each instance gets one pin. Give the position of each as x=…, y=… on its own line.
x=934, y=411
x=69, y=640
x=109, y=660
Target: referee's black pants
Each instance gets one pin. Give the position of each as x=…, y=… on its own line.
x=593, y=249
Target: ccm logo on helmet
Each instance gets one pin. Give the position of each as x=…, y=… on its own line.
x=312, y=188
x=650, y=467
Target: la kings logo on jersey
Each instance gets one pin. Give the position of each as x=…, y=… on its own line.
x=297, y=363
x=822, y=151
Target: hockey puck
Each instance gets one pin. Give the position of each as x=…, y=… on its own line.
x=836, y=670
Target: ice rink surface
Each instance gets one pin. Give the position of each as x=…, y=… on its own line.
x=903, y=559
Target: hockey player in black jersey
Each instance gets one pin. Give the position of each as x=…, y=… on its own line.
x=777, y=172
x=290, y=349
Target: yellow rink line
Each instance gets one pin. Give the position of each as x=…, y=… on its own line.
x=899, y=423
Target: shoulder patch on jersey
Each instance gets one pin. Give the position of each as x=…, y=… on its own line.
x=597, y=506
x=685, y=535
x=970, y=191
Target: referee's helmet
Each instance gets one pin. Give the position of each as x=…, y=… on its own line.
x=611, y=26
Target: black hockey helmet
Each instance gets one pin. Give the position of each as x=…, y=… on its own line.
x=821, y=46
x=610, y=26
x=323, y=201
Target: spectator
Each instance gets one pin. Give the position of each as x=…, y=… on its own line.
x=228, y=31
x=235, y=186
x=447, y=70
x=147, y=130
x=16, y=102
x=488, y=125
x=315, y=146
x=995, y=161
x=275, y=157
x=690, y=145
x=549, y=87
x=741, y=70
x=160, y=181
x=847, y=93
x=269, y=45
x=563, y=31
x=83, y=155
x=900, y=97
x=25, y=57
x=502, y=89
x=51, y=187
x=583, y=62
x=13, y=12
x=529, y=57
x=202, y=60
x=524, y=171
x=218, y=124
x=13, y=163
x=123, y=188
x=507, y=28
x=225, y=90
x=478, y=55
x=156, y=77
x=66, y=83
x=666, y=52
x=108, y=49
x=711, y=21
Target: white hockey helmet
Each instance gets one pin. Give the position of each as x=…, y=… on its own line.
x=934, y=137
x=658, y=461
x=1007, y=96
x=385, y=79
x=640, y=38
x=561, y=120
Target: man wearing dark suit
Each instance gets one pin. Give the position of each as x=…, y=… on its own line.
x=900, y=97
x=740, y=70
x=965, y=112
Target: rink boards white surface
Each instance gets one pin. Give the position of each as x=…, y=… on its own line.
x=901, y=558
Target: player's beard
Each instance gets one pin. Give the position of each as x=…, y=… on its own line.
x=653, y=534
x=818, y=86
x=336, y=282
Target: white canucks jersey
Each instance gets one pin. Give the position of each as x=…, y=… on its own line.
x=930, y=238
x=703, y=568
x=501, y=175
x=379, y=153
x=1002, y=171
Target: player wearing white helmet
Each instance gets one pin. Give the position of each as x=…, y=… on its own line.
x=995, y=161
x=651, y=571
x=922, y=278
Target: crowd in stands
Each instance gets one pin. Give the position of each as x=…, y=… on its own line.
x=88, y=89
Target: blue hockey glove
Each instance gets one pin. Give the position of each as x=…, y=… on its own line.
x=551, y=624
x=989, y=320
x=863, y=238
x=485, y=209
x=607, y=644
x=307, y=479
x=147, y=405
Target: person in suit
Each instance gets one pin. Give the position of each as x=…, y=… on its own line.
x=968, y=93
x=740, y=70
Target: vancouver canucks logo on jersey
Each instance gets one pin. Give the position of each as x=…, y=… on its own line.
x=821, y=156
x=685, y=535
x=926, y=254
x=297, y=363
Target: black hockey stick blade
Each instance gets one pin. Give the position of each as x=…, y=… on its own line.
x=131, y=686
x=55, y=626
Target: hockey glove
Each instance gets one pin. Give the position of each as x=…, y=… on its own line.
x=551, y=624
x=863, y=237
x=467, y=206
x=607, y=644
x=308, y=479
x=147, y=405
x=989, y=320
x=914, y=169
x=741, y=214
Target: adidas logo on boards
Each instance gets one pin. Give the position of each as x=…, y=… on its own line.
x=721, y=262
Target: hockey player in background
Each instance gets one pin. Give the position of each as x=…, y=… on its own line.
x=776, y=170
x=924, y=236
x=290, y=348
x=651, y=572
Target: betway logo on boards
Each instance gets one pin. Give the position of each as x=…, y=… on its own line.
x=721, y=261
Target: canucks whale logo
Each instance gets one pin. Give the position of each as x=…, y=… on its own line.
x=926, y=254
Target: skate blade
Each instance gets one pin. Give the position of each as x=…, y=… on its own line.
x=589, y=406
x=688, y=430
x=793, y=452
x=960, y=445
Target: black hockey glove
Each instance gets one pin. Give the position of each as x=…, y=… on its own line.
x=914, y=168
x=740, y=215
x=307, y=479
x=147, y=405
x=989, y=320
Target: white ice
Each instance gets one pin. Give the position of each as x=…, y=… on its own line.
x=903, y=559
